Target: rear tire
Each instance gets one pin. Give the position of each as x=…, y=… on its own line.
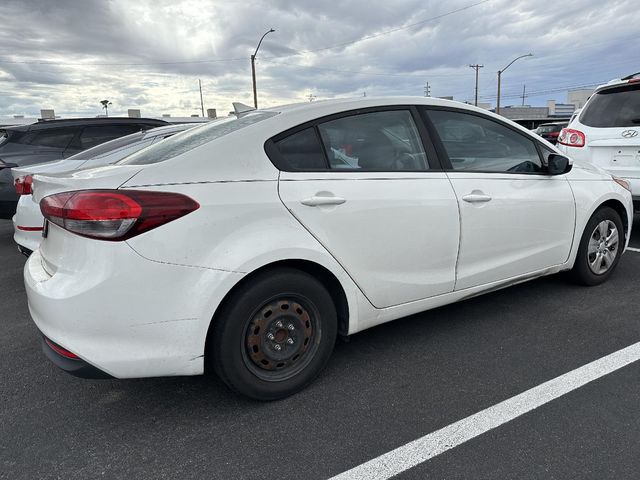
x=600, y=248
x=274, y=334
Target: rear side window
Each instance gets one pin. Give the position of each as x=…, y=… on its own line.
x=381, y=141
x=475, y=143
x=190, y=139
x=52, y=138
x=95, y=135
x=302, y=150
x=108, y=147
x=613, y=107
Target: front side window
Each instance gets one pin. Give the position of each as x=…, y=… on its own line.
x=475, y=143
x=378, y=141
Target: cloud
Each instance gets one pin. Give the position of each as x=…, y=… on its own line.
x=58, y=45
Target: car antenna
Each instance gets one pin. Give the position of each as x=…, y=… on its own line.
x=240, y=109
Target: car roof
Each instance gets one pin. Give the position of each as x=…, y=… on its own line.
x=292, y=115
x=75, y=122
x=342, y=104
x=308, y=111
x=616, y=82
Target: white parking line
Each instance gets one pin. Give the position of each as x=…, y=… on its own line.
x=633, y=249
x=420, y=450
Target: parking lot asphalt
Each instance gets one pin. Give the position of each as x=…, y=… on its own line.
x=387, y=386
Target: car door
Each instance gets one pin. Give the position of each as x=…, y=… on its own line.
x=364, y=185
x=515, y=218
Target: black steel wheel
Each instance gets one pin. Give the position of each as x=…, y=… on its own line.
x=274, y=334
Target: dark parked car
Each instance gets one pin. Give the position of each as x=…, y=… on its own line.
x=550, y=131
x=53, y=140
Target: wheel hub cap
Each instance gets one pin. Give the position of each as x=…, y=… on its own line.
x=279, y=335
x=603, y=247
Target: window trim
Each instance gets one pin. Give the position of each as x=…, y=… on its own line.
x=433, y=161
x=444, y=156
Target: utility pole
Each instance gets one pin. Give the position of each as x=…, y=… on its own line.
x=427, y=90
x=476, y=67
x=524, y=89
x=201, y=102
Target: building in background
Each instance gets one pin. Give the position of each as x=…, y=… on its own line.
x=579, y=97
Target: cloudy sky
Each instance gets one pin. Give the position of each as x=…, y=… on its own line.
x=70, y=54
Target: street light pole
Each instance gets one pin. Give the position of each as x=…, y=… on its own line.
x=500, y=76
x=253, y=68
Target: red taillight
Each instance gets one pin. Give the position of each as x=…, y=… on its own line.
x=114, y=214
x=571, y=138
x=61, y=351
x=554, y=134
x=24, y=185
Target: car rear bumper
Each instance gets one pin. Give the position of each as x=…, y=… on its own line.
x=75, y=367
x=125, y=315
x=29, y=236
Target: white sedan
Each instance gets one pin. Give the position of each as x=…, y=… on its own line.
x=244, y=247
x=27, y=222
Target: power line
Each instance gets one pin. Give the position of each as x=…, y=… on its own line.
x=360, y=72
x=549, y=90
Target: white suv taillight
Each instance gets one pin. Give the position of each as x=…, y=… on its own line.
x=24, y=185
x=571, y=138
x=114, y=215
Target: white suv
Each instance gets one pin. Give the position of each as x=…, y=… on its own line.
x=607, y=131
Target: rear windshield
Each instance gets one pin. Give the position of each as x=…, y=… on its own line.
x=174, y=146
x=108, y=147
x=549, y=128
x=613, y=107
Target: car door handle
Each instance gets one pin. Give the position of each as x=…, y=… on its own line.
x=476, y=197
x=321, y=200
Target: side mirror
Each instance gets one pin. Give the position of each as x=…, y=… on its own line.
x=558, y=164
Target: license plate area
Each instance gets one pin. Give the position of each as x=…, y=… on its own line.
x=626, y=157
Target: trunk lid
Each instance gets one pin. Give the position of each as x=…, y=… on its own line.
x=110, y=176
x=60, y=248
x=611, y=150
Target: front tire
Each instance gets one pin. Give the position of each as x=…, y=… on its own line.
x=600, y=248
x=274, y=334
